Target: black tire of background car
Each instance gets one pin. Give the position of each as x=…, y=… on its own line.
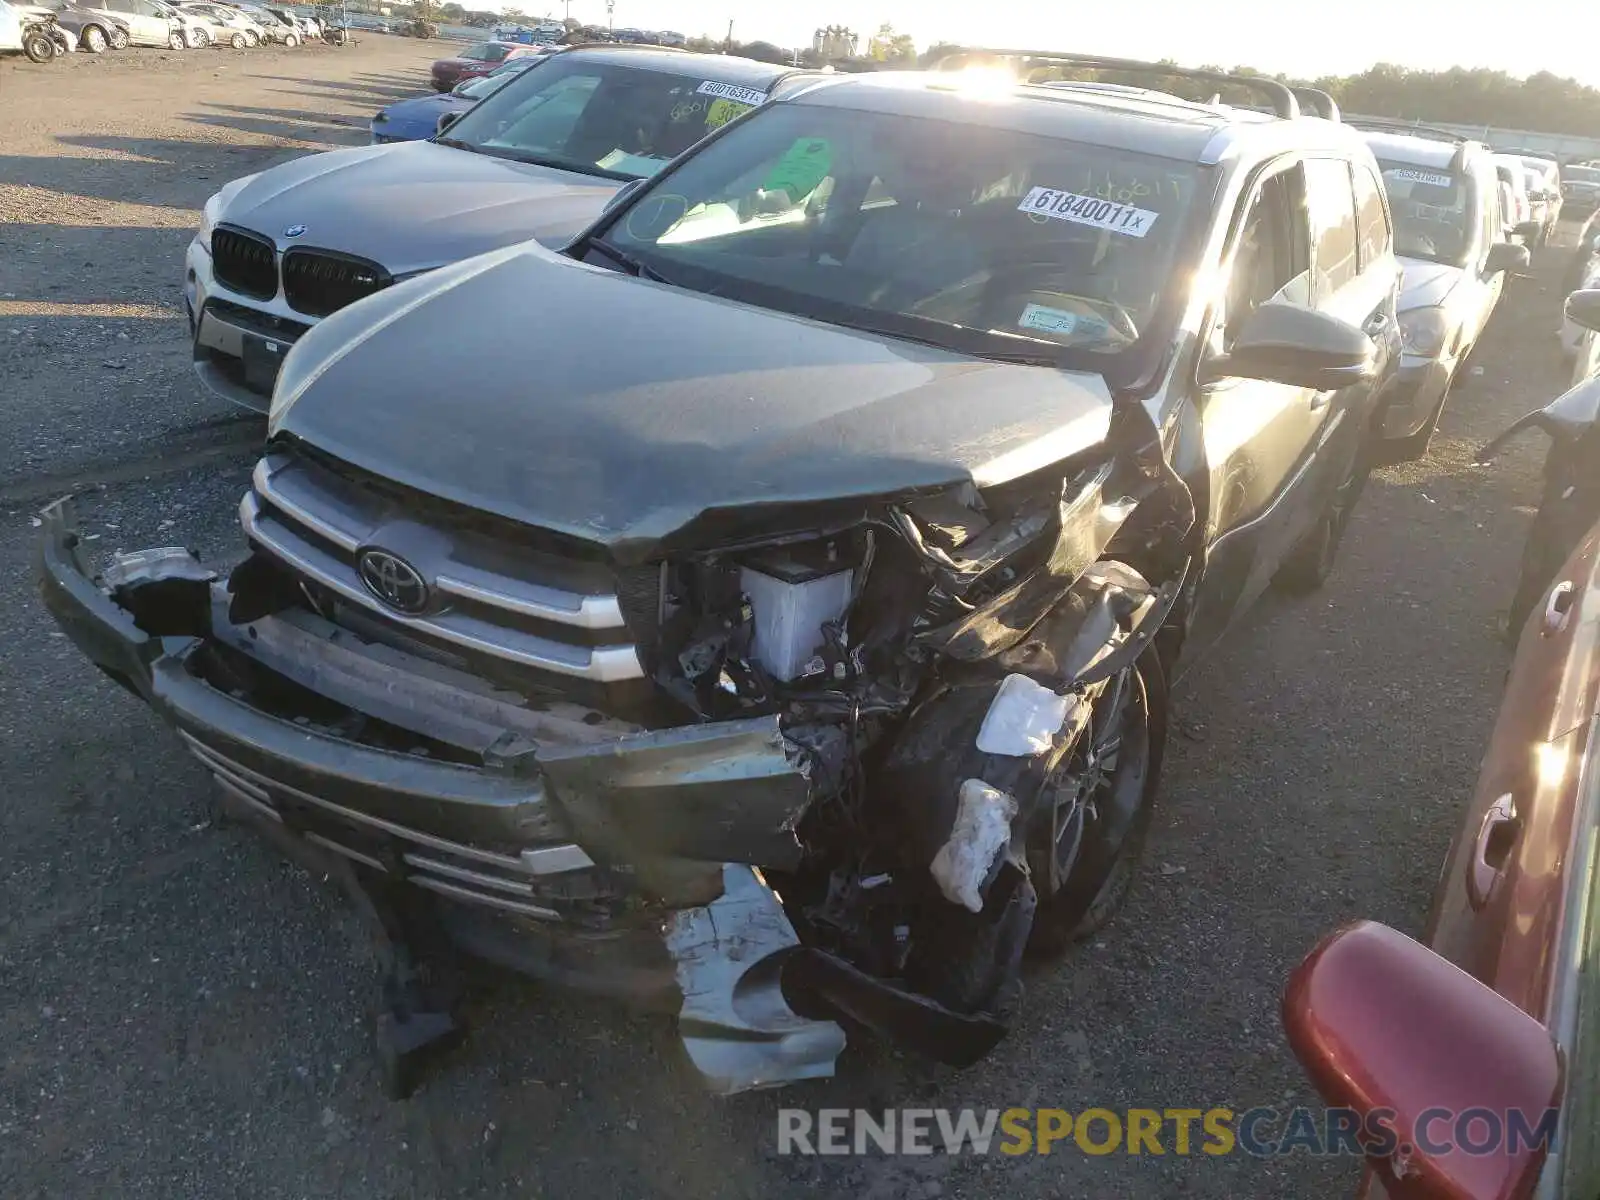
x=95, y=40
x=238, y=41
x=1311, y=563
x=38, y=45
x=120, y=39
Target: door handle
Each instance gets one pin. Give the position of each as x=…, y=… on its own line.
x=1557, y=608
x=1491, y=850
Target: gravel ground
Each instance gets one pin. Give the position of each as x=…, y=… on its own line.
x=183, y=1015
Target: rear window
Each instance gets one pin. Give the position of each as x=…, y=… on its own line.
x=601, y=118
x=1434, y=210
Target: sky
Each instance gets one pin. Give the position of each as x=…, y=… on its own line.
x=1275, y=35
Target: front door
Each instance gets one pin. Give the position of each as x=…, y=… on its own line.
x=1256, y=434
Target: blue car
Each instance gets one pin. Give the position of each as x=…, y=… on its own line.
x=418, y=118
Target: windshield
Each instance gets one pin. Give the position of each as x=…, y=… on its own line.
x=984, y=240
x=1583, y=174
x=599, y=118
x=1435, y=213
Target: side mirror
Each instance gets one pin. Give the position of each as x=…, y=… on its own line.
x=1503, y=256
x=1286, y=343
x=445, y=121
x=1583, y=308
x=1528, y=229
x=1384, y=1026
x=622, y=193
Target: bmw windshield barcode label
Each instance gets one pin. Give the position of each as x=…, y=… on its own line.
x=1088, y=210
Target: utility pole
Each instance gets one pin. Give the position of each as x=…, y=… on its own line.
x=727, y=46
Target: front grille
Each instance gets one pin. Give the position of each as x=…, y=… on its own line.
x=244, y=262
x=494, y=597
x=320, y=282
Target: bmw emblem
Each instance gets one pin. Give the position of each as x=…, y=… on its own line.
x=393, y=580
x=294, y=231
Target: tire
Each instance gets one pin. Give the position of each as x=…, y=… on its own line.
x=1110, y=841
x=238, y=41
x=199, y=39
x=291, y=40
x=120, y=40
x=39, y=46
x=95, y=40
x=176, y=40
x=252, y=38
x=1310, y=564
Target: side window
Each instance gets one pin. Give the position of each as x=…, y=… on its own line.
x=1333, y=223
x=1270, y=261
x=1372, y=220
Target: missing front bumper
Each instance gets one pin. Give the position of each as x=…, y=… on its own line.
x=497, y=841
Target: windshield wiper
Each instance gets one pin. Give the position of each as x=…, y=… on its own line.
x=626, y=261
x=455, y=144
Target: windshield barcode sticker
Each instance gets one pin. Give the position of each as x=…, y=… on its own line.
x=731, y=91
x=1430, y=178
x=1088, y=210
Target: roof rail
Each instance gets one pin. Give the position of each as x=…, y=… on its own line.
x=1395, y=125
x=1317, y=102
x=1279, y=95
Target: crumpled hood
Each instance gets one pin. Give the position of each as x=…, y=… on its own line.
x=1425, y=284
x=412, y=205
x=620, y=410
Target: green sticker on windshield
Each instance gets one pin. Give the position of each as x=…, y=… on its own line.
x=803, y=165
x=723, y=111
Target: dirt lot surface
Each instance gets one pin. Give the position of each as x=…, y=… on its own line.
x=182, y=1015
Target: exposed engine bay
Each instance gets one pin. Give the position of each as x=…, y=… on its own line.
x=887, y=749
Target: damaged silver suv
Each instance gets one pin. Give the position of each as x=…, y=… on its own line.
x=791, y=650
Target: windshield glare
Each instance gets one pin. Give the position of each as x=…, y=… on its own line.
x=1434, y=216
x=597, y=117
x=928, y=228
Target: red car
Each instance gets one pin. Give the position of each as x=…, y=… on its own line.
x=478, y=59
x=1479, y=1044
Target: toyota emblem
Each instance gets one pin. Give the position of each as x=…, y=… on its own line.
x=294, y=231
x=394, y=581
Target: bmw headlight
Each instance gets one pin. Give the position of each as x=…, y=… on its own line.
x=1423, y=331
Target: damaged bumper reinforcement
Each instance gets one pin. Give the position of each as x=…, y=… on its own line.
x=595, y=854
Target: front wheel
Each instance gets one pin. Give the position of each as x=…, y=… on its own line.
x=1311, y=563
x=1095, y=809
x=38, y=45
x=252, y=38
x=291, y=40
x=199, y=39
x=175, y=40
x=120, y=40
x=238, y=41
x=94, y=40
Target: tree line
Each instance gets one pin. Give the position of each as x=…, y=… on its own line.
x=1462, y=95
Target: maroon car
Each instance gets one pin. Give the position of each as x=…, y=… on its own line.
x=1479, y=1046
x=478, y=59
